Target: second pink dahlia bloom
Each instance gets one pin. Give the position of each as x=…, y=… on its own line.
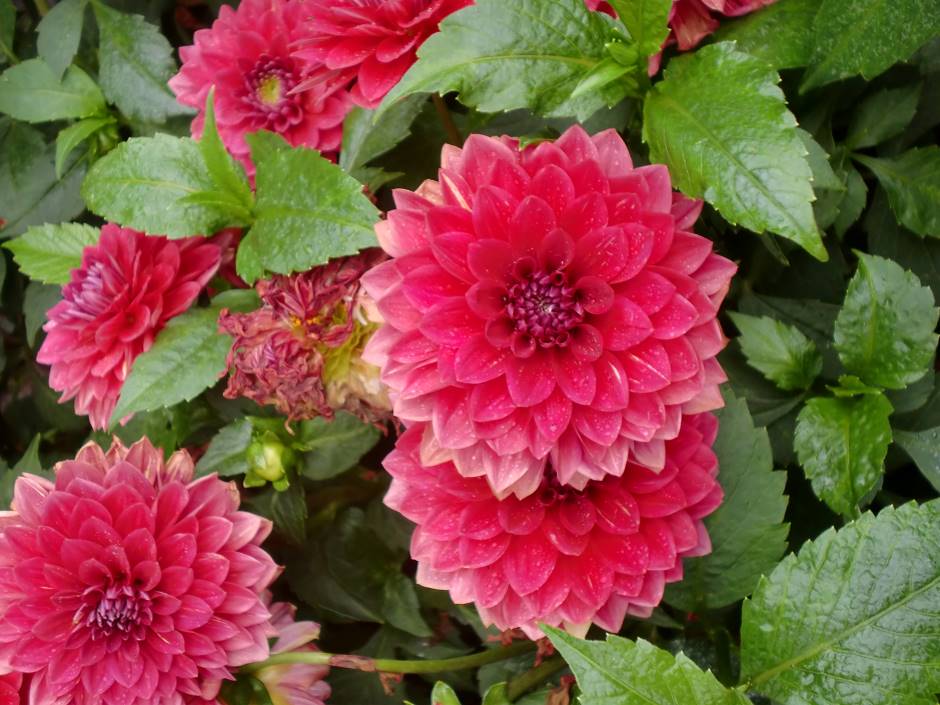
x=259, y=83
x=126, y=582
x=547, y=304
x=128, y=287
x=560, y=556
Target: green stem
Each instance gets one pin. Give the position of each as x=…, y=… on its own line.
x=450, y=127
x=365, y=663
x=524, y=682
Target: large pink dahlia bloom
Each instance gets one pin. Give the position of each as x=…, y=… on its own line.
x=561, y=556
x=373, y=42
x=547, y=304
x=246, y=55
x=128, y=287
x=125, y=582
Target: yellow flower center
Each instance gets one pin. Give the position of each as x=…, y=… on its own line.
x=269, y=91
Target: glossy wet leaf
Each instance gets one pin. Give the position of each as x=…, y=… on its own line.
x=48, y=253
x=781, y=33
x=780, y=351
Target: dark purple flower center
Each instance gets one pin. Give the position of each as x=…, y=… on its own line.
x=269, y=84
x=544, y=307
x=551, y=491
x=116, y=609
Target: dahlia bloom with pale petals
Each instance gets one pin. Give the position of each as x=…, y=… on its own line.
x=373, y=42
x=128, y=287
x=301, y=350
x=246, y=55
x=561, y=556
x=547, y=304
x=126, y=582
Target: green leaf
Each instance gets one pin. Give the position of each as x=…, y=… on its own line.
x=482, y=51
x=924, y=449
x=400, y=605
x=60, y=33
x=31, y=92
x=852, y=618
x=30, y=461
x=884, y=332
x=443, y=694
x=365, y=140
x=144, y=183
x=646, y=20
x=912, y=181
x=823, y=175
x=780, y=34
x=308, y=210
x=74, y=135
x=882, y=115
x=48, y=253
x=136, y=63
x=841, y=444
x=852, y=203
x=224, y=170
x=226, y=454
x=289, y=509
x=622, y=672
x=867, y=37
x=188, y=356
x=780, y=351
x=333, y=447
x=606, y=72
x=734, y=145
x=7, y=31
x=747, y=532
x=37, y=300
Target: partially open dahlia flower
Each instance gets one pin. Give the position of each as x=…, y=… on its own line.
x=561, y=556
x=371, y=42
x=301, y=351
x=547, y=304
x=246, y=55
x=125, y=582
x=128, y=287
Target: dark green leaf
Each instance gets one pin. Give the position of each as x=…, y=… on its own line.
x=7, y=30
x=924, y=449
x=780, y=351
x=400, y=605
x=332, y=447
x=29, y=461
x=852, y=203
x=867, y=36
x=747, y=532
x=823, y=175
x=73, y=135
x=912, y=181
x=290, y=513
x=841, y=444
x=364, y=139
x=853, y=618
x=884, y=332
x=38, y=299
x=48, y=253
x=734, y=145
x=767, y=401
x=780, y=34
x=882, y=115
x=646, y=20
x=136, y=63
x=30, y=91
x=226, y=454
x=59, y=34
x=308, y=210
x=623, y=672
x=482, y=52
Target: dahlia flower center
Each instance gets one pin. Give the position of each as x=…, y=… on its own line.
x=544, y=307
x=116, y=609
x=269, y=84
x=552, y=492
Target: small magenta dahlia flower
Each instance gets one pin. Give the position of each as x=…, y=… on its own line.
x=301, y=351
x=373, y=42
x=11, y=686
x=547, y=304
x=126, y=582
x=128, y=287
x=561, y=556
x=259, y=84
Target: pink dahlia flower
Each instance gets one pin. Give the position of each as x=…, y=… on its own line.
x=246, y=55
x=373, y=42
x=128, y=287
x=125, y=582
x=301, y=351
x=561, y=556
x=547, y=304
x=11, y=686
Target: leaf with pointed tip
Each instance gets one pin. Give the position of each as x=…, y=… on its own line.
x=883, y=115
x=924, y=449
x=781, y=34
x=73, y=135
x=31, y=91
x=912, y=181
x=646, y=20
x=48, y=253
x=781, y=352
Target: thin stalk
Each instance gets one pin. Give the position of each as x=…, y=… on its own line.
x=524, y=682
x=450, y=127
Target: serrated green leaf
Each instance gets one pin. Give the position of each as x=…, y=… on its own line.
x=226, y=454
x=780, y=34
x=924, y=449
x=884, y=332
x=852, y=203
x=646, y=20
x=912, y=181
x=31, y=91
x=482, y=51
x=333, y=447
x=734, y=145
x=60, y=33
x=781, y=352
x=73, y=135
x=622, y=672
x=188, y=356
x=867, y=37
x=227, y=174
x=364, y=139
x=7, y=29
x=136, y=63
x=882, y=115
x=143, y=182
x=747, y=532
x=823, y=175
x=48, y=253
x=307, y=211
x=841, y=444
x=853, y=618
